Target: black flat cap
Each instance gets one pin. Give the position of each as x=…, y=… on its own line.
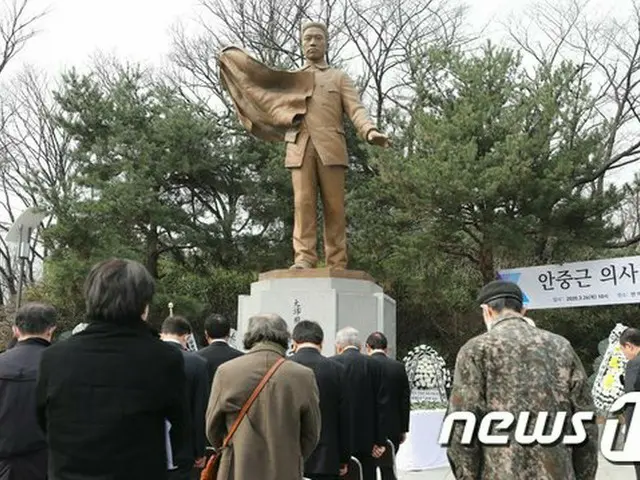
x=499, y=289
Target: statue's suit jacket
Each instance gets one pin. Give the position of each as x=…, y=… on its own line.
x=334, y=95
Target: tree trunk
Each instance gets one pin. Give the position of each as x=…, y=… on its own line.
x=152, y=250
x=486, y=263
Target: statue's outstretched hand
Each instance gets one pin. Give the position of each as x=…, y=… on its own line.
x=379, y=139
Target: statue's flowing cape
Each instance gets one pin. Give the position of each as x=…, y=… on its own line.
x=268, y=102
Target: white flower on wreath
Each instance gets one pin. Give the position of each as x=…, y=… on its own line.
x=607, y=386
x=426, y=369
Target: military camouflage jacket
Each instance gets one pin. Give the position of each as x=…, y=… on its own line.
x=516, y=367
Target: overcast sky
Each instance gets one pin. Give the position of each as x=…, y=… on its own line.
x=75, y=29
x=139, y=30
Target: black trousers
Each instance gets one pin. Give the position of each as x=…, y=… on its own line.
x=321, y=477
x=184, y=473
x=368, y=465
x=32, y=466
x=387, y=472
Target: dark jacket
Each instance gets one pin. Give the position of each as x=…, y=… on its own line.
x=216, y=354
x=398, y=409
x=367, y=398
x=103, y=397
x=196, y=398
x=333, y=448
x=631, y=384
x=19, y=430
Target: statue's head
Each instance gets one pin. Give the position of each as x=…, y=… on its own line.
x=314, y=40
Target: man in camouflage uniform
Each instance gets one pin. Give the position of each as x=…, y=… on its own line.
x=516, y=367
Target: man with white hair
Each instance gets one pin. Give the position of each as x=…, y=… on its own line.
x=367, y=398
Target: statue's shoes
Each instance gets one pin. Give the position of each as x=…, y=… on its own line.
x=300, y=266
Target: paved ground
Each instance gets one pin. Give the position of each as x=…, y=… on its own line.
x=606, y=471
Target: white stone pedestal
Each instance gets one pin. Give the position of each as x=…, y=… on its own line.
x=333, y=298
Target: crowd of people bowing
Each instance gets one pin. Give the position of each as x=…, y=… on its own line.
x=120, y=401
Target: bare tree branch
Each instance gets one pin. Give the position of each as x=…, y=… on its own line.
x=17, y=27
x=37, y=170
x=388, y=35
x=610, y=48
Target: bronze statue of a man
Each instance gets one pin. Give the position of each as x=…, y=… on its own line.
x=316, y=146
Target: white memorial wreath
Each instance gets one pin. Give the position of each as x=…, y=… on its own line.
x=429, y=377
x=607, y=386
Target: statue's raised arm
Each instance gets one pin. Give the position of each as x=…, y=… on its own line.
x=305, y=109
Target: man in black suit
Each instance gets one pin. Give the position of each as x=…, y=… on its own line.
x=630, y=345
x=175, y=331
x=23, y=447
x=103, y=395
x=216, y=331
x=367, y=398
x=330, y=458
x=12, y=343
x=398, y=408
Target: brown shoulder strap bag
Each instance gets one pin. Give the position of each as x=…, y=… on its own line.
x=210, y=471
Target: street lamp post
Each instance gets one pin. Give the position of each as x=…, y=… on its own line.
x=20, y=233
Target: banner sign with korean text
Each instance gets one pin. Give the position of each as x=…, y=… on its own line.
x=580, y=284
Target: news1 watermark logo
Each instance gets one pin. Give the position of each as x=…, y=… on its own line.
x=504, y=421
